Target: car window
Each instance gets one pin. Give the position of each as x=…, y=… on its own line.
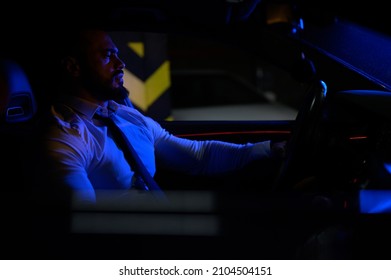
x=175, y=76
x=212, y=79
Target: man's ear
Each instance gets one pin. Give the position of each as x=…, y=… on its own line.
x=71, y=65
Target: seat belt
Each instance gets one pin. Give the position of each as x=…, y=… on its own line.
x=144, y=180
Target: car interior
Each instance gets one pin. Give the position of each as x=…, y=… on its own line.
x=327, y=199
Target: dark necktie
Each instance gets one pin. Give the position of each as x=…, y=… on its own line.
x=144, y=179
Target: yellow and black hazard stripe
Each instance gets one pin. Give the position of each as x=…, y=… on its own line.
x=147, y=74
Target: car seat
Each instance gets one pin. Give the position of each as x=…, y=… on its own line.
x=18, y=108
x=17, y=98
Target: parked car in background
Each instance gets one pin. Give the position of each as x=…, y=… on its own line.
x=220, y=95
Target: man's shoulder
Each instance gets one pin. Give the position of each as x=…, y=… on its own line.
x=62, y=119
x=64, y=114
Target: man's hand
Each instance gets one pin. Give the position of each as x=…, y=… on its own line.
x=278, y=149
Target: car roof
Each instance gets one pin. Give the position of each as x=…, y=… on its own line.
x=177, y=13
x=29, y=30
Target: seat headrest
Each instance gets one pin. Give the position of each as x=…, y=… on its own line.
x=18, y=103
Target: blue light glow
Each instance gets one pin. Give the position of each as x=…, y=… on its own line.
x=375, y=201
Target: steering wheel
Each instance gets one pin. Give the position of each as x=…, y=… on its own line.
x=303, y=138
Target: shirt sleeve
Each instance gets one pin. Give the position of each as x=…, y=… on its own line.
x=70, y=172
x=67, y=165
x=205, y=157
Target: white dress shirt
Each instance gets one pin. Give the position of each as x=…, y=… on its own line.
x=86, y=158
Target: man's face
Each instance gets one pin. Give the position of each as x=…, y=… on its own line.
x=102, y=71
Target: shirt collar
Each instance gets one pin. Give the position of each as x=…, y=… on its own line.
x=88, y=108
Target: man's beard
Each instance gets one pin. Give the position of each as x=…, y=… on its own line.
x=118, y=94
x=106, y=92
